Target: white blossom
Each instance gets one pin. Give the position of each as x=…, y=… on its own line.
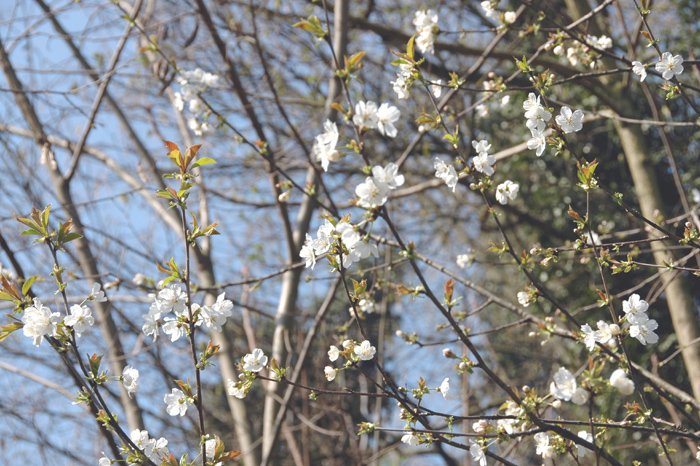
x=365, y=351
x=365, y=114
x=509, y=17
x=569, y=121
x=537, y=142
x=130, y=377
x=325, y=143
x=587, y=436
x=255, y=361
x=330, y=373
x=444, y=387
x=387, y=115
x=410, y=438
x=388, y=175
x=38, y=321
x=564, y=385
x=639, y=69
x=543, y=448
x=96, y=294
x=507, y=191
x=464, y=260
x=635, y=309
x=447, y=173
x=644, y=331
x=669, y=65
x=333, y=353
x=436, y=88
x=478, y=454
x=619, y=380
x=177, y=403
x=80, y=319
x=484, y=163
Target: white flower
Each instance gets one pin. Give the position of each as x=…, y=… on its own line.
x=236, y=389
x=177, y=402
x=333, y=353
x=505, y=100
x=606, y=332
x=558, y=50
x=696, y=195
x=484, y=163
x=569, y=121
x=464, y=260
x=590, y=337
x=255, y=361
x=38, y=321
x=489, y=12
x=104, y=461
x=365, y=114
x=371, y=193
x=446, y=173
x=564, y=385
x=324, y=145
x=173, y=298
x=480, y=426
x=579, y=397
x=160, y=449
x=482, y=110
x=400, y=86
x=307, y=252
x=638, y=69
x=130, y=380
x=635, y=309
x=150, y=326
x=139, y=279
x=178, y=102
x=425, y=21
x=366, y=306
x=644, y=331
x=571, y=55
x=587, y=436
x=388, y=175
x=477, y=454
x=512, y=409
x=330, y=373
x=410, y=438
x=96, y=294
x=543, y=447
x=532, y=105
x=509, y=17
x=524, y=298
x=80, y=319
x=142, y=441
x=507, y=190
x=387, y=115
x=199, y=129
x=365, y=351
x=537, y=142
x=436, y=88
x=619, y=380
x=214, y=316
x=210, y=448
x=444, y=387
x=669, y=65
x=174, y=328
x=347, y=343
x=481, y=147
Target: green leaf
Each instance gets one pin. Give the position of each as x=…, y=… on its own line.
x=6, y=330
x=6, y=296
x=409, y=47
x=45, y=215
x=28, y=283
x=31, y=232
x=203, y=161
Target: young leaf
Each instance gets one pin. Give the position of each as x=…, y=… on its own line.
x=28, y=284
x=6, y=330
x=203, y=161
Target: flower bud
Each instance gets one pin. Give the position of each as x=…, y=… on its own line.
x=526, y=388
x=556, y=404
x=448, y=353
x=463, y=365
x=480, y=426
x=400, y=333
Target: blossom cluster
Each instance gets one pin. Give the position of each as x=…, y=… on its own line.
x=352, y=351
x=325, y=145
x=327, y=241
x=641, y=326
x=152, y=448
x=580, y=53
x=425, y=22
x=564, y=388
x=174, y=299
x=191, y=84
x=252, y=363
x=374, y=191
x=367, y=115
x=483, y=162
